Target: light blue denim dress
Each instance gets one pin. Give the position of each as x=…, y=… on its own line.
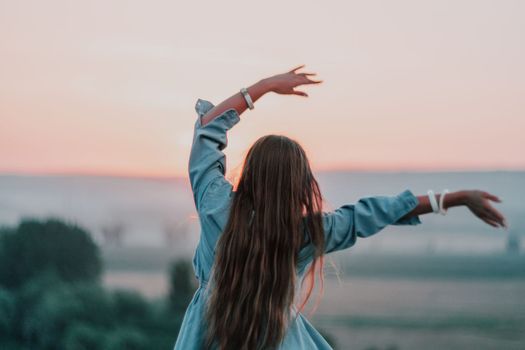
x=212, y=194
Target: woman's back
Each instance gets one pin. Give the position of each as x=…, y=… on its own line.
x=256, y=242
x=214, y=196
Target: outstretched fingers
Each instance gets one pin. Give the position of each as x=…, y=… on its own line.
x=490, y=222
x=296, y=68
x=491, y=197
x=307, y=80
x=494, y=215
x=310, y=81
x=300, y=93
x=302, y=79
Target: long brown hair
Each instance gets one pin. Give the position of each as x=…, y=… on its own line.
x=253, y=279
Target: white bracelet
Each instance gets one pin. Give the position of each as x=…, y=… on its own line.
x=433, y=201
x=442, y=210
x=247, y=97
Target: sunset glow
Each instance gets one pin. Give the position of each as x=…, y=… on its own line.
x=110, y=87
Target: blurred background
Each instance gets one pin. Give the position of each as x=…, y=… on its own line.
x=97, y=222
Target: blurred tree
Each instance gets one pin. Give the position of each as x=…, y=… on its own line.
x=7, y=312
x=131, y=308
x=84, y=337
x=128, y=339
x=11, y=344
x=35, y=246
x=513, y=242
x=183, y=285
x=51, y=297
x=28, y=297
x=113, y=234
x=58, y=309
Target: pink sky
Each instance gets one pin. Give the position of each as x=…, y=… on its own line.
x=109, y=87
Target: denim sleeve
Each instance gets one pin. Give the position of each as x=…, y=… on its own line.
x=365, y=218
x=207, y=162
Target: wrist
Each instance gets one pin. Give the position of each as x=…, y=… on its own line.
x=258, y=89
x=266, y=85
x=455, y=199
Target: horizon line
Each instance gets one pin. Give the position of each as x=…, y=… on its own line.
x=321, y=170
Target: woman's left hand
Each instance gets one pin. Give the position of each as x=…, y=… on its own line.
x=478, y=203
x=285, y=83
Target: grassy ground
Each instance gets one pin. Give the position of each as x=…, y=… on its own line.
x=390, y=302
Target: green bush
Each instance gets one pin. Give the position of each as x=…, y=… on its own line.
x=183, y=285
x=84, y=337
x=126, y=338
x=51, y=297
x=36, y=246
x=7, y=312
x=131, y=308
x=49, y=319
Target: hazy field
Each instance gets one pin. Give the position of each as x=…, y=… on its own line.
x=445, y=284
x=391, y=301
x=424, y=314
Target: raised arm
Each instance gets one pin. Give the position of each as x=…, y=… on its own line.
x=370, y=215
x=207, y=162
x=281, y=83
x=477, y=201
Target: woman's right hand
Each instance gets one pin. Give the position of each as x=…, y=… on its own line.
x=478, y=203
x=285, y=83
